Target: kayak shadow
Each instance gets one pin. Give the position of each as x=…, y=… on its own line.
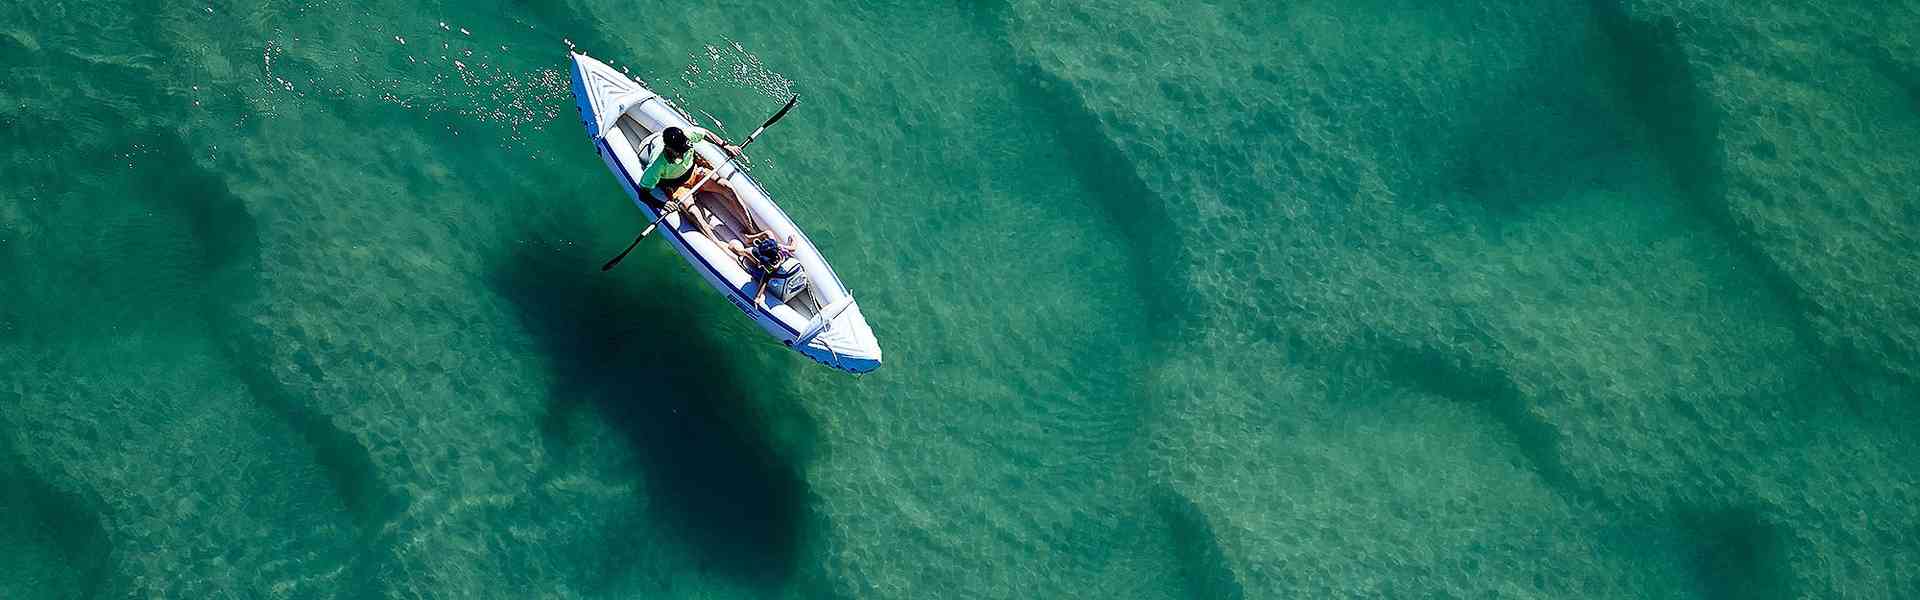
x=631, y=347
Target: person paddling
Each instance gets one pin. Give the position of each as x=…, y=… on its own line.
x=675, y=166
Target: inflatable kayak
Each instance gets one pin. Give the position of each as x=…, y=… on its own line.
x=805, y=306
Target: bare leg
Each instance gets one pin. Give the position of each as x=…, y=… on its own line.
x=692, y=209
x=720, y=187
x=725, y=190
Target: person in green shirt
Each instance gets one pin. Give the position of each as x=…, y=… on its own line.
x=675, y=167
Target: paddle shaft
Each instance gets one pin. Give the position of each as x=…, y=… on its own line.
x=703, y=181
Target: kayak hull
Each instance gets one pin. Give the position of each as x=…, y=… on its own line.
x=824, y=323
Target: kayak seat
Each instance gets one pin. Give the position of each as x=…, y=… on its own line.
x=644, y=148
x=788, y=281
x=629, y=143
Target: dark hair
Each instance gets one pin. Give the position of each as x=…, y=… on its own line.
x=769, y=253
x=676, y=140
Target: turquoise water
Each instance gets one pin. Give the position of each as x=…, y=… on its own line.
x=1605, y=299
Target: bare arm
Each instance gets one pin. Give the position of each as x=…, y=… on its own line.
x=711, y=136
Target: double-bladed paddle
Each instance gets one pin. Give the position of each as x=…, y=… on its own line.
x=703, y=181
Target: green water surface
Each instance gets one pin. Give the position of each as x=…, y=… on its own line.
x=1304, y=299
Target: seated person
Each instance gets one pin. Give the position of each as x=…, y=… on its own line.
x=763, y=260
x=675, y=166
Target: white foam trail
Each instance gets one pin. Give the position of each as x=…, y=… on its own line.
x=731, y=63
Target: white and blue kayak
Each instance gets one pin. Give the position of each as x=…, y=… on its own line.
x=807, y=309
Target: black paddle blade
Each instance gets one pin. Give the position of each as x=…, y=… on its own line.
x=623, y=253
x=783, y=110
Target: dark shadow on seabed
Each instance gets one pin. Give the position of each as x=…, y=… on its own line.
x=54, y=539
x=629, y=346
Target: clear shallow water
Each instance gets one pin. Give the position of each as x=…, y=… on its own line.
x=1230, y=300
